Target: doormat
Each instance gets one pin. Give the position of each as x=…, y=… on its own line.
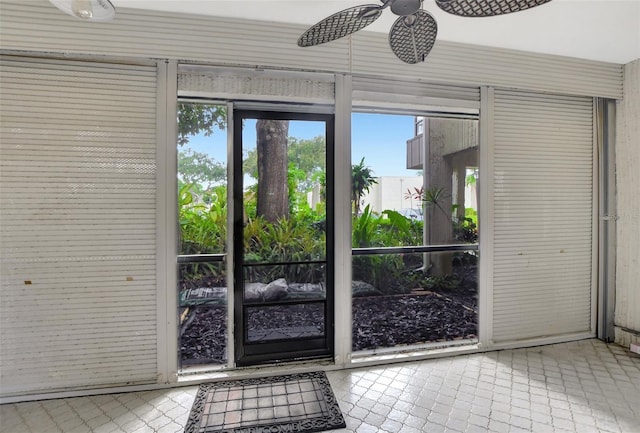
x=291, y=403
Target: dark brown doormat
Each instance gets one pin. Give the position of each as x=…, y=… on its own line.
x=293, y=403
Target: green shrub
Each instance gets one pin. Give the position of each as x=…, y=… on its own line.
x=389, y=273
x=301, y=238
x=203, y=222
x=287, y=240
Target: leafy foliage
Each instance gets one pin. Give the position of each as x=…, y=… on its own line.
x=434, y=197
x=471, y=179
x=361, y=182
x=203, y=225
x=365, y=229
x=286, y=240
x=416, y=194
x=386, y=272
x=402, y=230
x=200, y=169
x=194, y=119
x=301, y=237
x=202, y=220
x=297, y=199
x=310, y=157
x=307, y=156
x=466, y=230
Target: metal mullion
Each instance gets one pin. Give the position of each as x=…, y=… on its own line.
x=284, y=302
x=201, y=258
x=303, y=262
x=414, y=249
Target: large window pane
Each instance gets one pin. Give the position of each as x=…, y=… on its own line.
x=202, y=178
x=413, y=307
x=413, y=185
x=202, y=217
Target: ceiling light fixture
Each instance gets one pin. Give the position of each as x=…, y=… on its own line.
x=88, y=10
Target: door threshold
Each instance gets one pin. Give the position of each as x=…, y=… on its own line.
x=414, y=353
x=211, y=373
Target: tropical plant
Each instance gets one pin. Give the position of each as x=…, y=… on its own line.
x=364, y=229
x=361, y=181
x=471, y=214
x=466, y=230
x=435, y=197
x=416, y=194
x=387, y=272
x=401, y=230
x=202, y=221
x=384, y=272
x=301, y=237
x=284, y=241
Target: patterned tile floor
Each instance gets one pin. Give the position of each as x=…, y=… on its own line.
x=585, y=386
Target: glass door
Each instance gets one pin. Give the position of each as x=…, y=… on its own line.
x=283, y=280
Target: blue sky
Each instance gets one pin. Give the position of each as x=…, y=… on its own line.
x=379, y=138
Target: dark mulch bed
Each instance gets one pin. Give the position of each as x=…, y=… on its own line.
x=411, y=319
x=203, y=337
x=378, y=322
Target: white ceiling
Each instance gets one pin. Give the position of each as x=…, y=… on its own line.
x=606, y=30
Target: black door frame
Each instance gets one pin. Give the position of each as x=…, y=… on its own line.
x=290, y=349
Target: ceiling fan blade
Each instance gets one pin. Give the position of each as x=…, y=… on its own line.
x=340, y=24
x=412, y=37
x=486, y=8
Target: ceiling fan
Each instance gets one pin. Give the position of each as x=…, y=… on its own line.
x=413, y=34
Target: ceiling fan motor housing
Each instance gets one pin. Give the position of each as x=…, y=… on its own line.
x=405, y=7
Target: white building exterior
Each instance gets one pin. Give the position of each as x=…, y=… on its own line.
x=393, y=192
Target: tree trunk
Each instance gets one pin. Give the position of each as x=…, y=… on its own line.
x=273, y=188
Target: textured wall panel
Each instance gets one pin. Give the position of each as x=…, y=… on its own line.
x=38, y=26
x=627, y=312
x=454, y=63
x=375, y=92
x=543, y=212
x=77, y=239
